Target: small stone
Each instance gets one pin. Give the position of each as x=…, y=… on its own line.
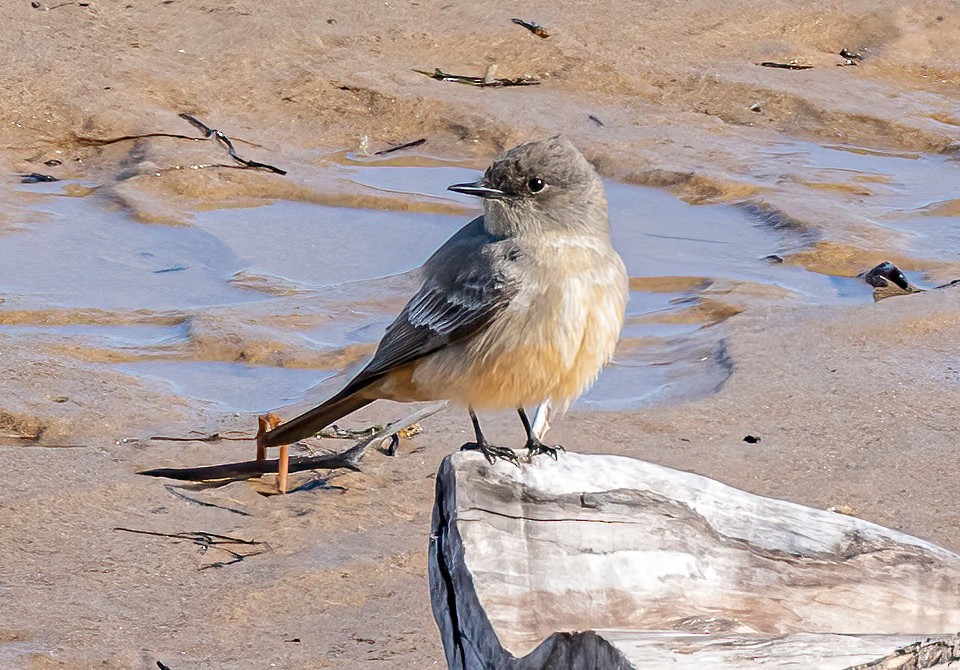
x=755, y=107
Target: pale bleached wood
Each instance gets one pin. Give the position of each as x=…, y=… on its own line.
x=603, y=542
x=822, y=651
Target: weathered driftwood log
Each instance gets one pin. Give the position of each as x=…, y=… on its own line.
x=669, y=569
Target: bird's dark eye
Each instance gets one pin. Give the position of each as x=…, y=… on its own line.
x=535, y=185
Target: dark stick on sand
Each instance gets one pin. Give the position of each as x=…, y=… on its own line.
x=208, y=133
x=349, y=459
x=401, y=147
x=205, y=541
x=533, y=27
x=249, y=469
x=481, y=82
x=785, y=66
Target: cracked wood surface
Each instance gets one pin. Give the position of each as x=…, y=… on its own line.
x=667, y=565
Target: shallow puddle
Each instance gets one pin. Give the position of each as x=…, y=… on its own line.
x=247, y=309
x=234, y=387
x=915, y=194
x=89, y=255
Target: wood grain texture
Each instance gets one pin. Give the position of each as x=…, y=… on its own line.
x=668, y=565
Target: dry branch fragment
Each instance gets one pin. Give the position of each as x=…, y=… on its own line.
x=481, y=82
x=349, y=459
x=401, y=147
x=36, y=178
x=255, y=468
x=206, y=540
x=208, y=133
x=792, y=65
x=533, y=27
x=200, y=437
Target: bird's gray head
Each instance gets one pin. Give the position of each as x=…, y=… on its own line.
x=544, y=184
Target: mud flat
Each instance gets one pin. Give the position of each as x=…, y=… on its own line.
x=150, y=293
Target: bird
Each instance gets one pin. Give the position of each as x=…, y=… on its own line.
x=522, y=305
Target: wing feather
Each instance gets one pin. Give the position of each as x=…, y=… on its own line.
x=465, y=287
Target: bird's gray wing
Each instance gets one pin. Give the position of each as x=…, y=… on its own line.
x=465, y=287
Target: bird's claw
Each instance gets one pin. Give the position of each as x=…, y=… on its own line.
x=535, y=447
x=492, y=453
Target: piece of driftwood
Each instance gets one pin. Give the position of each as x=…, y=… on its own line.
x=401, y=147
x=533, y=27
x=792, y=65
x=349, y=459
x=668, y=569
x=208, y=134
x=486, y=81
x=248, y=469
x=36, y=178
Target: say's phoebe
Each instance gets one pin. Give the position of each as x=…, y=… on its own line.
x=523, y=304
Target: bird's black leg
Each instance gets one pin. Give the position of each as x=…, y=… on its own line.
x=491, y=452
x=533, y=445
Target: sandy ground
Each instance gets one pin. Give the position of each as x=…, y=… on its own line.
x=854, y=405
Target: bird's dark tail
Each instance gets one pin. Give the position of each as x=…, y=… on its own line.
x=312, y=422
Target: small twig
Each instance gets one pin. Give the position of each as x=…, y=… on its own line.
x=349, y=459
x=202, y=437
x=533, y=27
x=201, y=537
x=357, y=452
x=98, y=142
x=208, y=133
x=36, y=178
x=225, y=142
x=595, y=120
x=37, y=5
x=198, y=124
x=19, y=436
x=101, y=142
x=481, y=82
x=203, y=503
x=786, y=66
x=237, y=557
x=401, y=147
x=249, y=469
x=205, y=540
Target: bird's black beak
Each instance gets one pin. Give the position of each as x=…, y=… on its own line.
x=478, y=188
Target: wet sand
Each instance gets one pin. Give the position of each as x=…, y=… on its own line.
x=143, y=298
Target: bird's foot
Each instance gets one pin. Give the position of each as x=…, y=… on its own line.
x=492, y=453
x=535, y=446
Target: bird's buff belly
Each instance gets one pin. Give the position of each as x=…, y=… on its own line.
x=512, y=365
